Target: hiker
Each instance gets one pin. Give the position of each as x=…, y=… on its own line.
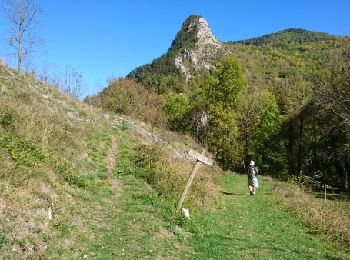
x=252, y=179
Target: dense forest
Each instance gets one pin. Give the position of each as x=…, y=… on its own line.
x=282, y=100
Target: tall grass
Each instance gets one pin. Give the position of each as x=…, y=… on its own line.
x=169, y=175
x=330, y=218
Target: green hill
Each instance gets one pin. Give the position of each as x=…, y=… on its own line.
x=290, y=76
x=76, y=181
x=289, y=37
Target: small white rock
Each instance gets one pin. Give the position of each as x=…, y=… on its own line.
x=186, y=212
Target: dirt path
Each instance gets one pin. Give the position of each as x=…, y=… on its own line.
x=111, y=163
x=110, y=160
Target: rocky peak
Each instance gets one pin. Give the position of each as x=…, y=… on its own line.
x=195, y=46
x=204, y=33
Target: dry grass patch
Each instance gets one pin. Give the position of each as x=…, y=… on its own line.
x=168, y=175
x=331, y=218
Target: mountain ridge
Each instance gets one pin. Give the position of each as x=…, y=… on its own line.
x=190, y=56
x=293, y=35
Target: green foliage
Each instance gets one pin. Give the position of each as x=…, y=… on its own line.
x=185, y=39
x=221, y=92
x=176, y=109
x=225, y=84
x=71, y=176
x=325, y=135
x=125, y=96
x=162, y=74
x=6, y=119
x=21, y=151
x=168, y=178
x=9, y=116
x=2, y=239
x=27, y=154
x=157, y=171
x=267, y=145
x=289, y=37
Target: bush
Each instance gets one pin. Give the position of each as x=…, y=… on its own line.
x=2, y=239
x=169, y=176
x=125, y=96
x=8, y=117
x=177, y=108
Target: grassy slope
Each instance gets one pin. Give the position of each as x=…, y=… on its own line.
x=247, y=227
x=53, y=151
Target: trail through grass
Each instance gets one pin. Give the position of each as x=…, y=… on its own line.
x=135, y=225
x=251, y=227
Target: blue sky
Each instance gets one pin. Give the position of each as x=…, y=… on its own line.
x=108, y=38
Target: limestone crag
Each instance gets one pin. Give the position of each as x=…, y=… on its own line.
x=201, y=56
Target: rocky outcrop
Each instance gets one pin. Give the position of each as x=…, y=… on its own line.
x=206, y=48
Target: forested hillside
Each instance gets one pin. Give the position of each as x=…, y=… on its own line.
x=281, y=99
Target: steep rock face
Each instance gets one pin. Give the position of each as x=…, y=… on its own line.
x=202, y=52
x=195, y=49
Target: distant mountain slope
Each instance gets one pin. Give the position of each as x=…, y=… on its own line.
x=289, y=36
x=195, y=50
x=284, y=68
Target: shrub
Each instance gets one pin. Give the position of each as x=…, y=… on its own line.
x=169, y=176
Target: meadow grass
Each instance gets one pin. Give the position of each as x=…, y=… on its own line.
x=250, y=227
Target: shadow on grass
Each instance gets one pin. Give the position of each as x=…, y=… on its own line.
x=243, y=194
x=233, y=193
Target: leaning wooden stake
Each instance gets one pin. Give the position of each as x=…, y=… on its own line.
x=189, y=181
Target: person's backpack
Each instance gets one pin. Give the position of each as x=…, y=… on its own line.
x=252, y=171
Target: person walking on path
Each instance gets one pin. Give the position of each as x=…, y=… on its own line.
x=253, y=183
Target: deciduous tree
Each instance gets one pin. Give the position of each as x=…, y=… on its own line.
x=222, y=92
x=22, y=16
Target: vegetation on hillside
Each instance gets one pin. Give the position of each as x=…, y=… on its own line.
x=296, y=82
x=289, y=37
x=161, y=74
x=60, y=198
x=125, y=96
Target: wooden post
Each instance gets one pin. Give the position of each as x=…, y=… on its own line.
x=346, y=181
x=189, y=181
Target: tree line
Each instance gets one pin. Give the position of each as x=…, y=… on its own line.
x=306, y=134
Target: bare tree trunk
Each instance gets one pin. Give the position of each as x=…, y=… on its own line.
x=19, y=49
x=301, y=144
x=22, y=20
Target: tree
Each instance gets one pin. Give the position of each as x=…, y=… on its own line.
x=331, y=106
x=22, y=17
x=298, y=93
x=267, y=145
x=248, y=112
x=177, y=108
x=222, y=92
x=333, y=93
x=72, y=82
